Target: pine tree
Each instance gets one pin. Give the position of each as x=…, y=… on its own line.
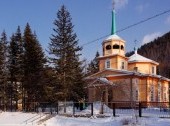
x=33, y=66
x=3, y=69
x=65, y=57
x=93, y=66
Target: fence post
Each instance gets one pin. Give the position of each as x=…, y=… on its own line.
x=114, y=109
x=73, y=108
x=65, y=106
x=57, y=107
x=92, y=109
x=51, y=111
x=140, y=109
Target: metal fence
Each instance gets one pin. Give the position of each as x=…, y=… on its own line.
x=100, y=109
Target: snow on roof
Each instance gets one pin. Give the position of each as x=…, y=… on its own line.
x=104, y=80
x=109, y=69
x=138, y=58
x=114, y=36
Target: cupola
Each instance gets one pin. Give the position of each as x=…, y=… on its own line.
x=113, y=44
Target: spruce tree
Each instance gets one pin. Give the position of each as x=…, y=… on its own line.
x=15, y=66
x=19, y=55
x=20, y=65
x=65, y=57
x=3, y=69
x=93, y=66
x=33, y=66
x=12, y=69
x=49, y=85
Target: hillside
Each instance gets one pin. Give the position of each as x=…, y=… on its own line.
x=158, y=50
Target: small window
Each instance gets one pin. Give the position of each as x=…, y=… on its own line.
x=159, y=96
x=108, y=47
x=107, y=64
x=165, y=96
x=137, y=95
x=153, y=70
x=159, y=91
x=122, y=48
x=115, y=46
x=152, y=93
x=123, y=65
x=135, y=69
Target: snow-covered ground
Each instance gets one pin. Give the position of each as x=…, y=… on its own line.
x=111, y=121
x=124, y=118
x=32, y=119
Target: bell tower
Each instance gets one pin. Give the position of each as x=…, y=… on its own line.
x=113, y=44
x=113, y=50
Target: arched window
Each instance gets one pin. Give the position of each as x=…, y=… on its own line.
x=122, y=48
x=115, y=46
x=108, y=47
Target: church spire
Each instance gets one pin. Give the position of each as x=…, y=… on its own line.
x=135, y=49
x=113, y=30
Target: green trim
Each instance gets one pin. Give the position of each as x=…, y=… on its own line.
x=113, y=30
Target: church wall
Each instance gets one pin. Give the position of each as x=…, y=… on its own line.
x=121, y=89
x=142, y=67
x=120, y=60
x=143, y=89
x=159, y=88
x=152, y=88
x=144, y=85
x=114, y=63
x=165, y=91
x=98, y=93
x=101, y=64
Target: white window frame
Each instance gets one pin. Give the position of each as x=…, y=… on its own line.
x=159, y=91
x=107, y=63
x=152, y=96
x=164, y=94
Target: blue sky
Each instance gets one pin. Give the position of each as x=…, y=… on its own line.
x=92, y=20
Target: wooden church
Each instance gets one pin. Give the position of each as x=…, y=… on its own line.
x=122, y=78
